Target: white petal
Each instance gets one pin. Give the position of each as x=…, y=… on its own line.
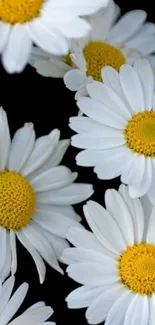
x=53, y=178
x=121, y=214
x=138, y=311
x=13, y=304
x=8, y=259
x=58, y=244
x=109, y=138
x=106, y=95
x=147, y=47
x=71, y=194
x=83, y=296
x=132, y=88
x=41, y=152
x=80, y=7
x=147, y=209
x=111, y=78
x=55, y=223
x=49, y=39
x=17, y=51
x=64, y=210
x=127, y=25
x=146, y=76
x=151, y=192
x=4, y=139
x=141, y=188
x=33, y=317
x=150, y=235
x=59, y=149
x=21, y=147
x=5, y=293
x=97, y=311
x=104, y=227
x=137, y=214
x=74, y=79
x=83, y=238
x=134, y=169
x=3, y=245
x=36, y=257
x=13, y=251
x=51, y=68
x=100, y=113
x=111, y=164
x=93, y=274
x=118, y=310
x=80, y=255
x=41, y=244
x=82, y=124
x=4, y=35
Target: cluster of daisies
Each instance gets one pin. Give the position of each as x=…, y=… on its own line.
x=108, y=61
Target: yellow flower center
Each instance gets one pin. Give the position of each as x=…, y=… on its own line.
x=137, y=268
x=99, y=54
x=139, y=133
x=19, y=11
x=17, y=200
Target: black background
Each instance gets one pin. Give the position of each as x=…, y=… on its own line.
x=46, y=102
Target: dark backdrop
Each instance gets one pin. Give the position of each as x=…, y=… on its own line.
x=46, y=102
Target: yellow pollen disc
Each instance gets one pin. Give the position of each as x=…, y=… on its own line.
x=136, y=268
x=17, y=200
x=19, y=11
x=140, y=133
x=99, y=54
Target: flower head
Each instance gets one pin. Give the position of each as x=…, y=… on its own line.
x=48, y=23
x=36, y=195
x=118, y=134
x=115, y=263
x=112, y=41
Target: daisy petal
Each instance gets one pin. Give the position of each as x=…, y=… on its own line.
x=116, y=313
x=53, y=178
x=138, y=311
x=71, y=194
x=4, y=139
x=100, y=113
x=6, y=292
x=97, y=311
x=120, y=213
x=74, y=79
x=132, y=88
x=127, y=25
x=104, y=227
x=21, y=147
x=83, y=238
x=90, y=273
x=13, y=251
x=41, y=152
x=33, y=317
x=83, y=296
x=4, y=35
x=150, y=236
x=36, y=257
x=49, y=39
x=17, y=51
x=13, y=304
x=146, y=77
x=111, y=78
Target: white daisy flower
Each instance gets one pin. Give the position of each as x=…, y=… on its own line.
x=37, y=314
x=111, y=42
x=36, y=197
x=119, y=133
x=47, y=23
x=115, y=263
